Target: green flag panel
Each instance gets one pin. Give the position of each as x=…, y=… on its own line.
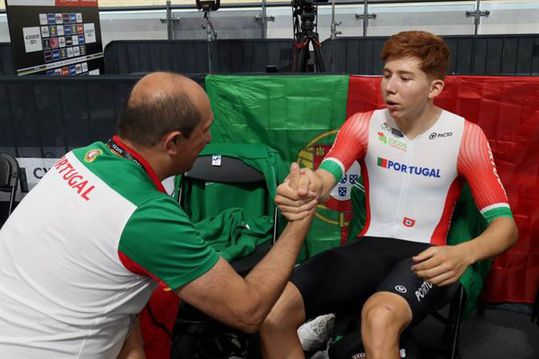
x=295, y=114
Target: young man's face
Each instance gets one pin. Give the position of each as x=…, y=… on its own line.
x=406, y=89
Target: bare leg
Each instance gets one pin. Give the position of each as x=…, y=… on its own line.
x=383, y=318
x=134, y=344
x=279, y=337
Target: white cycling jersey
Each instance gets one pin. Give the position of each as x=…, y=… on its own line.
x=412, y=185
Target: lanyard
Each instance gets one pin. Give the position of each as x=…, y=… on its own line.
x=122, y=150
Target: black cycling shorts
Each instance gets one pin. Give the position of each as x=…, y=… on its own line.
x=341, y=279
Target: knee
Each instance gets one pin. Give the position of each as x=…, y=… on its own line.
x=274, y=321
x=279, y=322
x=286, y=314
x=375, y=316
x=382, y=315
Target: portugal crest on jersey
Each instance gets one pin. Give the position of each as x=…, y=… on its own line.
x=91, y=155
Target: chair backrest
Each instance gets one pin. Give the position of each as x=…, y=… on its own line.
x=218, y=168
x=9, y=177
x=233, y=184
x=232, y=175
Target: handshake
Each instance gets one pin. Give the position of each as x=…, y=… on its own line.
x=300, y=193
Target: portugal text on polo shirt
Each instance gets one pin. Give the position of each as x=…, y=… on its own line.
x=73, y=178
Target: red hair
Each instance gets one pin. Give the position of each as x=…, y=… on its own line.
x=432, y=50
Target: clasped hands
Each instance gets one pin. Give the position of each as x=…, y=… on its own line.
x=297, y=197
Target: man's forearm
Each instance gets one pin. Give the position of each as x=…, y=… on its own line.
x=268, y=279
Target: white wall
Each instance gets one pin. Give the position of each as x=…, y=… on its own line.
x=446, y=18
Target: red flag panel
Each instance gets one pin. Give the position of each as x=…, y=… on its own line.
x=507, y=109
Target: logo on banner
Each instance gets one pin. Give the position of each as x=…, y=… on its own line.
x=43, y=19
x=32, y=39
x=92, y=155
x=339, y=198
x=89, y=33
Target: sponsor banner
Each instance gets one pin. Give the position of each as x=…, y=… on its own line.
x=35, y=168
x=39, y=28
x=77, y=3
x=30, y=2
x=69, y=53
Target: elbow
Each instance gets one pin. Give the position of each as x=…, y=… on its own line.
x=250, y=328
x=513, y=235
x=249, y=322
x=250, y=316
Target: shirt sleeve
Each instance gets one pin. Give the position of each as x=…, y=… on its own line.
x=161, y=242
x=476, y=163
x=350, y=145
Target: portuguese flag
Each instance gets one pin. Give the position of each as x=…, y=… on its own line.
x=299, y=115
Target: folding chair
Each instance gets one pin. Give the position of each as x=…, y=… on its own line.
x=237, y=176
x=9, y=178
x=227, y=176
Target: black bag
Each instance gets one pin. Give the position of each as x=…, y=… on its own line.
x=197, y=336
